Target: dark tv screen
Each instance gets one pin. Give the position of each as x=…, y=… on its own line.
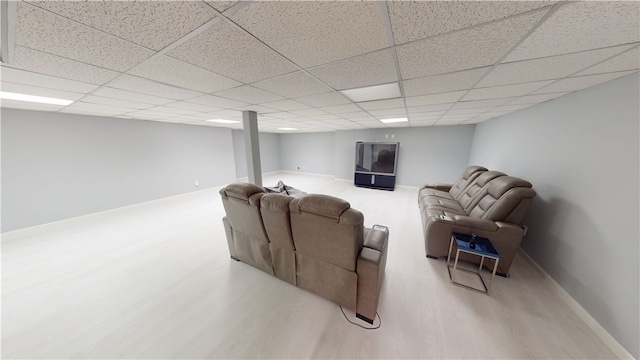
x=373, y=157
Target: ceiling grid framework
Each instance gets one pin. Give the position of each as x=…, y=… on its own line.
x=190, y=61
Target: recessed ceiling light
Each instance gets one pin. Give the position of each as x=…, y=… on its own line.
x=223, y=121
x=288, y=129
x=35, y=99
x=377, y=92
x=394, y=120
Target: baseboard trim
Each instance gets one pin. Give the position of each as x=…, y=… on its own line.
x=593, y=324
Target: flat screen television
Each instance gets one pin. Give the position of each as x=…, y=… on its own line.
x=376, y=157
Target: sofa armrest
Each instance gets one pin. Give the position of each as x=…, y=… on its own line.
x=442, y=187
x=370, y=268
x=475, y=223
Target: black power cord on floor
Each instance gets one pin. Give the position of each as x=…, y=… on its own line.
x=356, y=324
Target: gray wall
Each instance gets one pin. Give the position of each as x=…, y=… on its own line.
x=581, y=152
x=426, y=154
x=313, y=151
x=56, y=166
x=269, y=153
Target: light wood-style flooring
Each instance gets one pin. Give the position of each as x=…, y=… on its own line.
x=155, y=280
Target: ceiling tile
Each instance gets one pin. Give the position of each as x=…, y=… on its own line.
x=536, y=99
x=40, y=91
x=137, y=84
x=582, y=25
x=99, y=108
x=286, y=105
x=43, y=63
x=365, y=70
x=132, y=96
x=153, y=24
x=249, y=94
x=326, y=99
x=428, y=108
x=284, y=115
x=179, y=73
x=173, y=110
x=413, y=20
x=443, y=98
x=382, y=104
x=443, y=83
x=465, y=49
x=553, y=67
x=296, y=84
x=341, y=109
x=116, y=102
x=312, y=33
x=395, y=112
x=228, y=51
x=257, y=108
x=308, y=112
x=51, y=82
x=217, y=102
x=581, y=82
x=41, y=30
x=476, y=111
x=505, y=90
x=629, y=60
x=192, y=106
x=511, y=107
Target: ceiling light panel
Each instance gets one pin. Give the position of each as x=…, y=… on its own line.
x=39, y=91
x=369, y=69
x=312, y=33
x=30, y=78
x=475, y=47
x=179, y=73
x=132, y=96
x=581, y=82
x=413, y=20
x=443, y=83
x=220, y=6
x=137, y=84
x=43, y=63
x=582, y=25
x=218, y=102
x=505, y=90
x=293, y=85
x=153, y=24
x=326, y=99
x=25, y=105
x=249, y=94
x=375, y=92
x=41, y=30
x=553, y=67
x=627, y=61
x=444, y=98
x=228, y=51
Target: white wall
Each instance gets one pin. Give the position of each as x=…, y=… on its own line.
x=56, y=166
x=426, y=154
x=581, y=152
x=312, y=152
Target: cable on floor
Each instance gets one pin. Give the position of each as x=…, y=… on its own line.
x=356, y=324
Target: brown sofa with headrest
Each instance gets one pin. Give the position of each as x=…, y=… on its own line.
x=315, y=242
x=486, y=203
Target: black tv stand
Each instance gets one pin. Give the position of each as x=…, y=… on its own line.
x=375, y=181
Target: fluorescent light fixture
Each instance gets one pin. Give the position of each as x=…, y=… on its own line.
x=370, y=93
x=288, y=129
x=35, y=99
x=223, y=121
x=394, y=120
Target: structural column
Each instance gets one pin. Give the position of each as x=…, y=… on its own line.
x=252, y=146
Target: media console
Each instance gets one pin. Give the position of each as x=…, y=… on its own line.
x=376, y=164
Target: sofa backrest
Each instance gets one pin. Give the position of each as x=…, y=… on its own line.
x=471, y=195
x=242, y=204
x=468, y=175
x=274, y=208
x=506, y=198
x=327, y=228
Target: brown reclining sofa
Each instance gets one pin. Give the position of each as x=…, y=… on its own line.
x=315, y=242
x=489, y=204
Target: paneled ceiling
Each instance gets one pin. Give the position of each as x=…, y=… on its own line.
x=189, y=61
